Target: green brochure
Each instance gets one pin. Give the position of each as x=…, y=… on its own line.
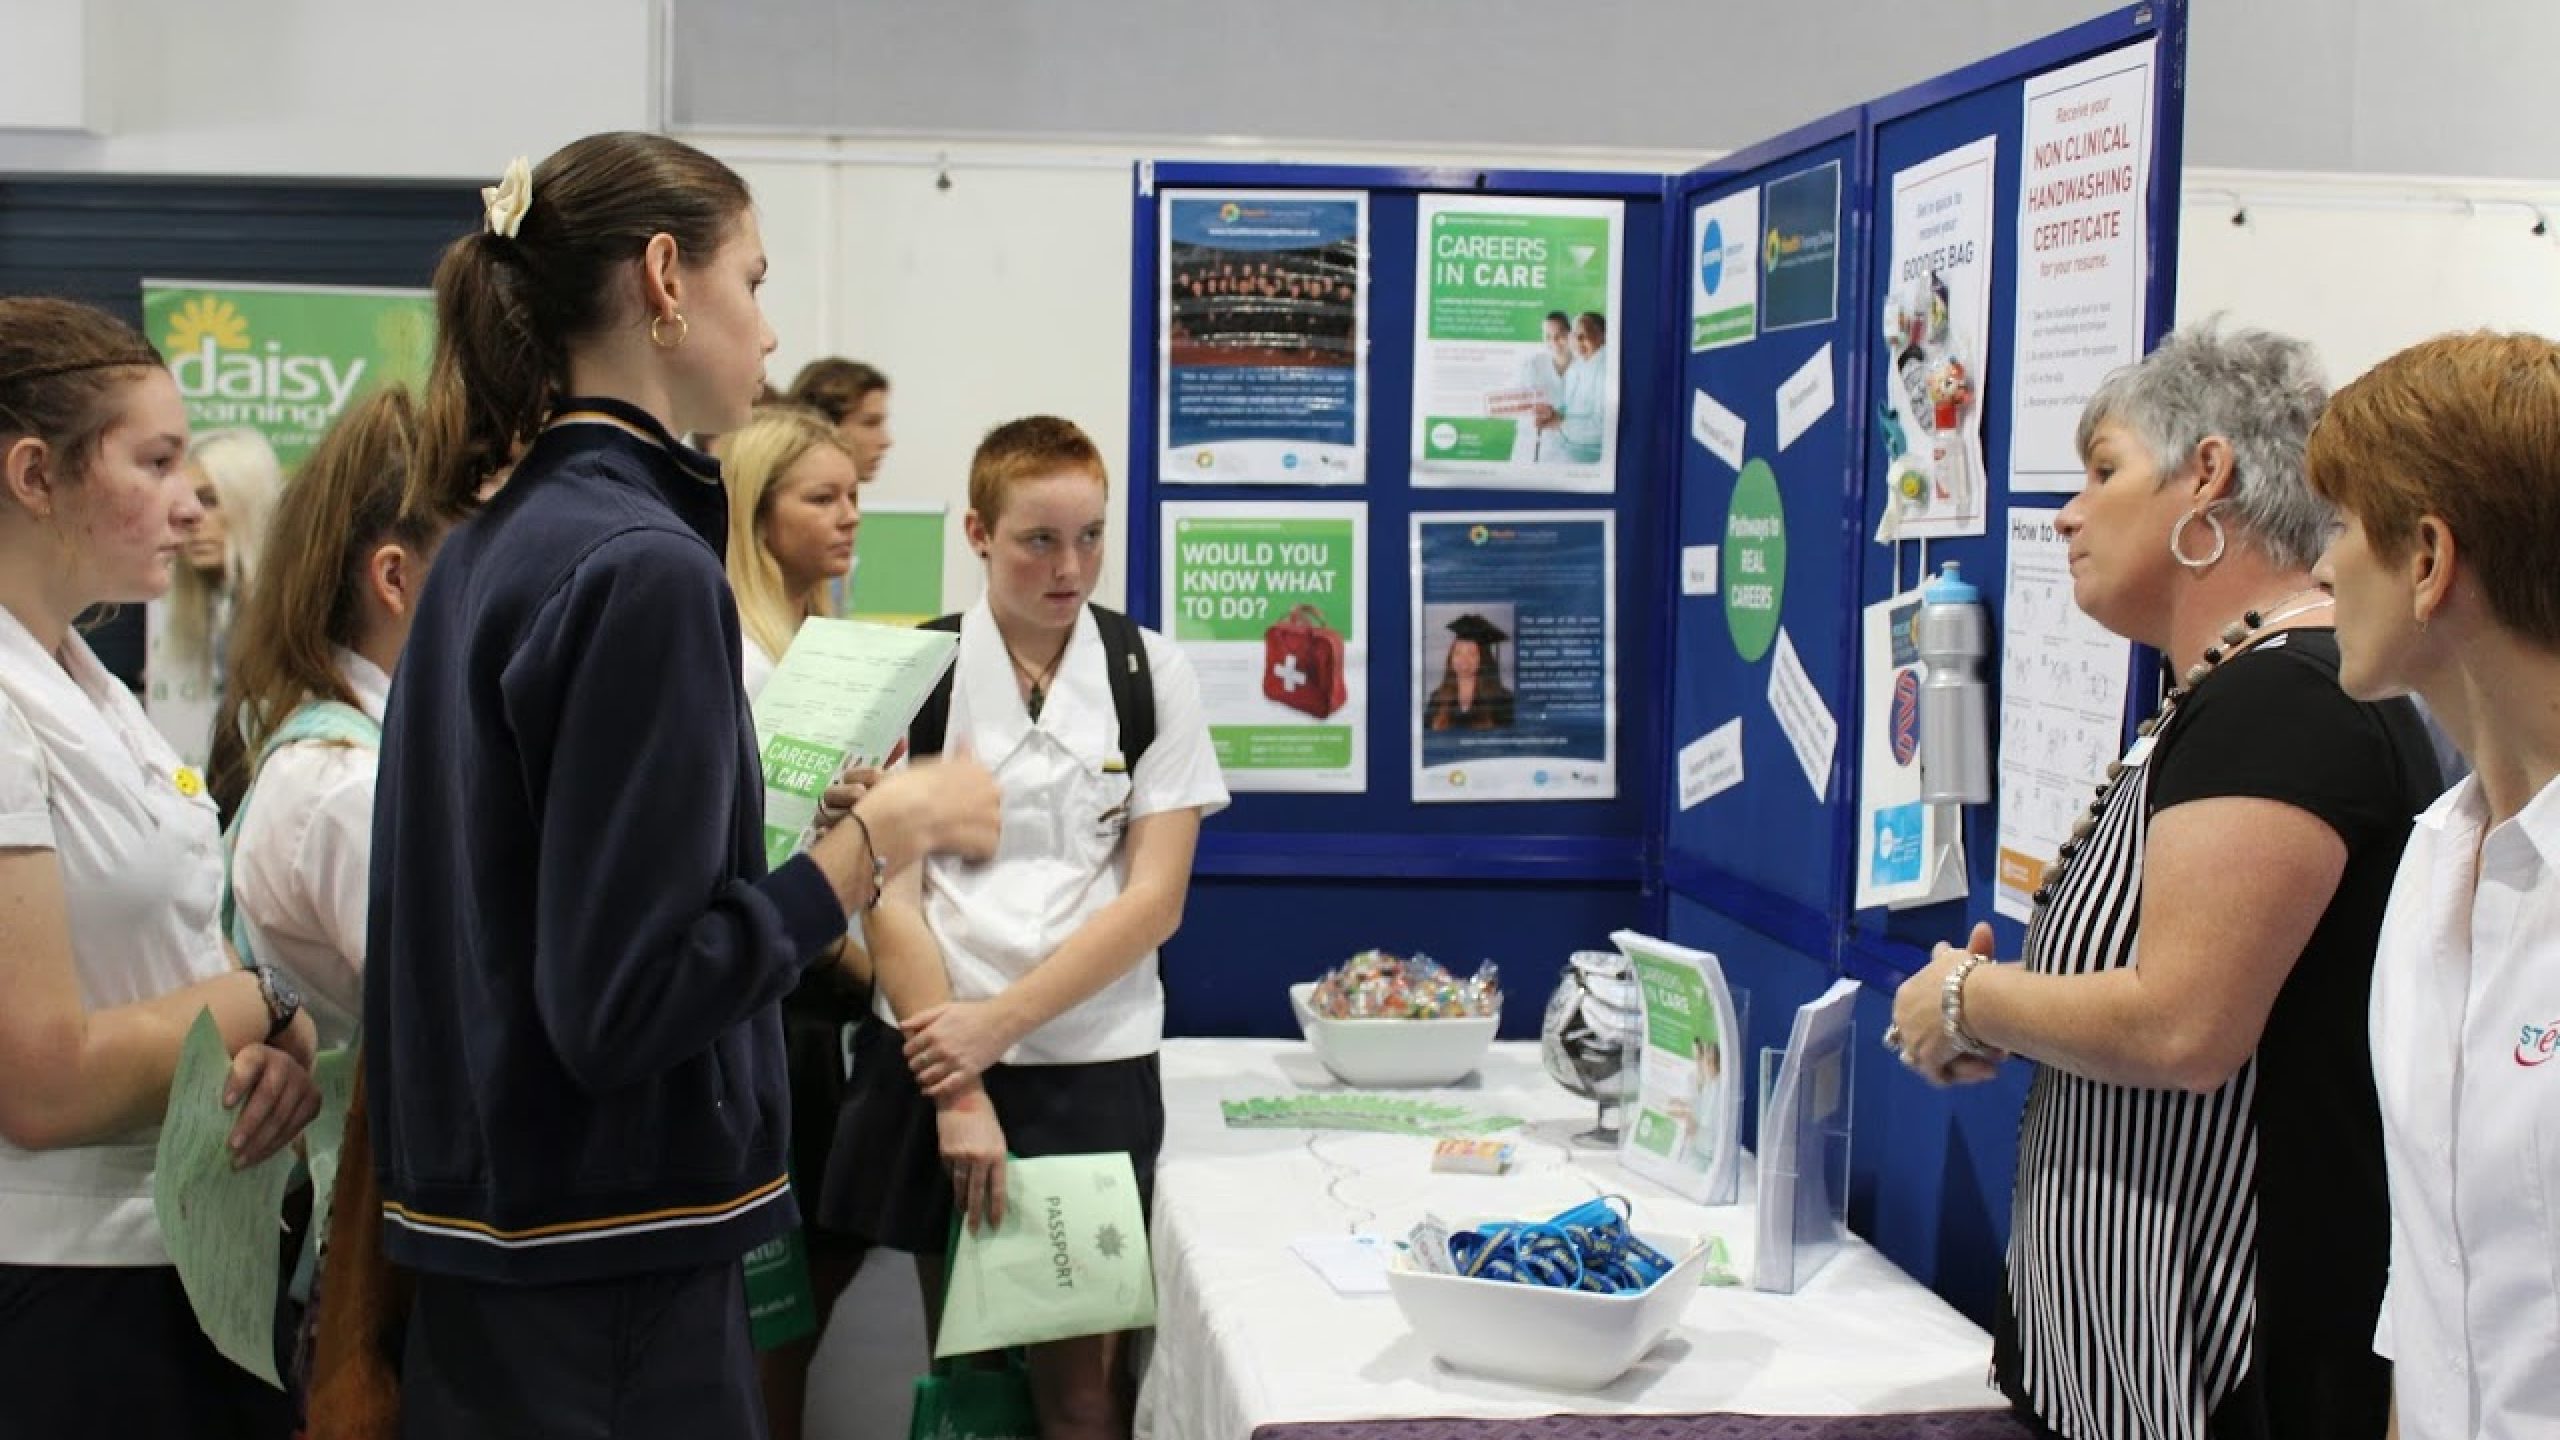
x=1070, y=1259
x=220, y=1224
x=842, y=696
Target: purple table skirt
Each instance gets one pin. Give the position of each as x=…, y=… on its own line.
x=1945, y=1425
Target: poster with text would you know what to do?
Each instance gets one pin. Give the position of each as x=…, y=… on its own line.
x=1270, y=602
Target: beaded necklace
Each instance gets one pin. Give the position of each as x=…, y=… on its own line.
x=2241, y=634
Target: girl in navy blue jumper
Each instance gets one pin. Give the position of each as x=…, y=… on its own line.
x=575, y=953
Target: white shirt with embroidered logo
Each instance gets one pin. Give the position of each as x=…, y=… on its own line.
x=299, y=872
x=1068, y=801
x=84, y=774
x=2466, y=1056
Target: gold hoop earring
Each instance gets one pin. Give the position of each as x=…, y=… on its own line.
x=682, y=330
x=2213, y=523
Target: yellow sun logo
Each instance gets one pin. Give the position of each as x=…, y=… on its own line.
x=206, y=317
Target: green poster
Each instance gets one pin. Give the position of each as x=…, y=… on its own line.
x=897, y=572
x=284, y=360
x=1755, y=561
x=1495, y=274
x=1268, y=603
x=1515, y=370
x=219, y=1222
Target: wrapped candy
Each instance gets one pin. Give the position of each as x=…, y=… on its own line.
x=1374, y=985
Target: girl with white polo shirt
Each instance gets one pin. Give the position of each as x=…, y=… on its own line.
x=2441, y=463
x=110, y=876
x=311, y=674
x=1026, y=987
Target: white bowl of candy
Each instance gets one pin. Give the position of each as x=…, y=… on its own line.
x=1378, y=1021
x=1573, y=1339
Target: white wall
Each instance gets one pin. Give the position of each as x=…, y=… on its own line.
x=350, y=87
x=2377, y=86
x=2363, y=268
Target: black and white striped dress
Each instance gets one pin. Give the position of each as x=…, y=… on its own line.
x=2139, y=1275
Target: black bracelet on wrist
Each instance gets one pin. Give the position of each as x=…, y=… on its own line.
x=879, y=867
x=283, y=1001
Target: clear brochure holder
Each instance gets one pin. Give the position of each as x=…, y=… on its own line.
x=1803, y=1162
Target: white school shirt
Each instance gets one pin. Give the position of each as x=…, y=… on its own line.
x=83, y=773
x=755, y=667
x=300, y=870
x=2466, y=1057
x=1066, y=806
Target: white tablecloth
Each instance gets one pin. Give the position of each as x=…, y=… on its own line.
x=1248, y=1334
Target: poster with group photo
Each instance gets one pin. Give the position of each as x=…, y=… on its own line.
x=1935, y=322
x=1515, y=693
x=1262, y=342
x=1515, y=377
x=1270, y=603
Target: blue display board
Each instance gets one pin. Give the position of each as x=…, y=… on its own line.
x=1286, y=884
x=1382, y=831
x=1772, y=285
x=1760, y=401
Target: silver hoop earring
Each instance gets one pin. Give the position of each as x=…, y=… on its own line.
x=2213, y=523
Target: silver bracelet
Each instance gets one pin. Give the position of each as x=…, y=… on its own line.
x=1951, y=1008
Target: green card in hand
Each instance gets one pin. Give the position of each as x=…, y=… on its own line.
x=220, y=1225
x=1070, y=1259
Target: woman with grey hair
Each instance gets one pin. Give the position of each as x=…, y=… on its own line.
x=2199, y=1232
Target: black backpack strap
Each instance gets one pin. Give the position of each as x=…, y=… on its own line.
x=925, y=732
x=1133, y=688
x=1133, y=683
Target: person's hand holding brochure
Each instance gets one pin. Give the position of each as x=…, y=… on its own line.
x=836, y=710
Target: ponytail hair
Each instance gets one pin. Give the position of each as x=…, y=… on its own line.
x=308, y=603
x=510, y=308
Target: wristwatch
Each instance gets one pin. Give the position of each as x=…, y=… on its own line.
x=283, y=1001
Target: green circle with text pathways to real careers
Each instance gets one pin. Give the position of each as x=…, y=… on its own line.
x=1754, y=578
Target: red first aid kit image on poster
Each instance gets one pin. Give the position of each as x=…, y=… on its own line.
x=1302, y=663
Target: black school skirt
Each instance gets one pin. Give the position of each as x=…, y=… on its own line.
x=885, y=1182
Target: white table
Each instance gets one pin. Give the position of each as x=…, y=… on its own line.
x=1248, y=1335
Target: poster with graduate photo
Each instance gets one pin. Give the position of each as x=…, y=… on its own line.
x=1515, y=630
x=1515, y=381
x=1263, y=346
